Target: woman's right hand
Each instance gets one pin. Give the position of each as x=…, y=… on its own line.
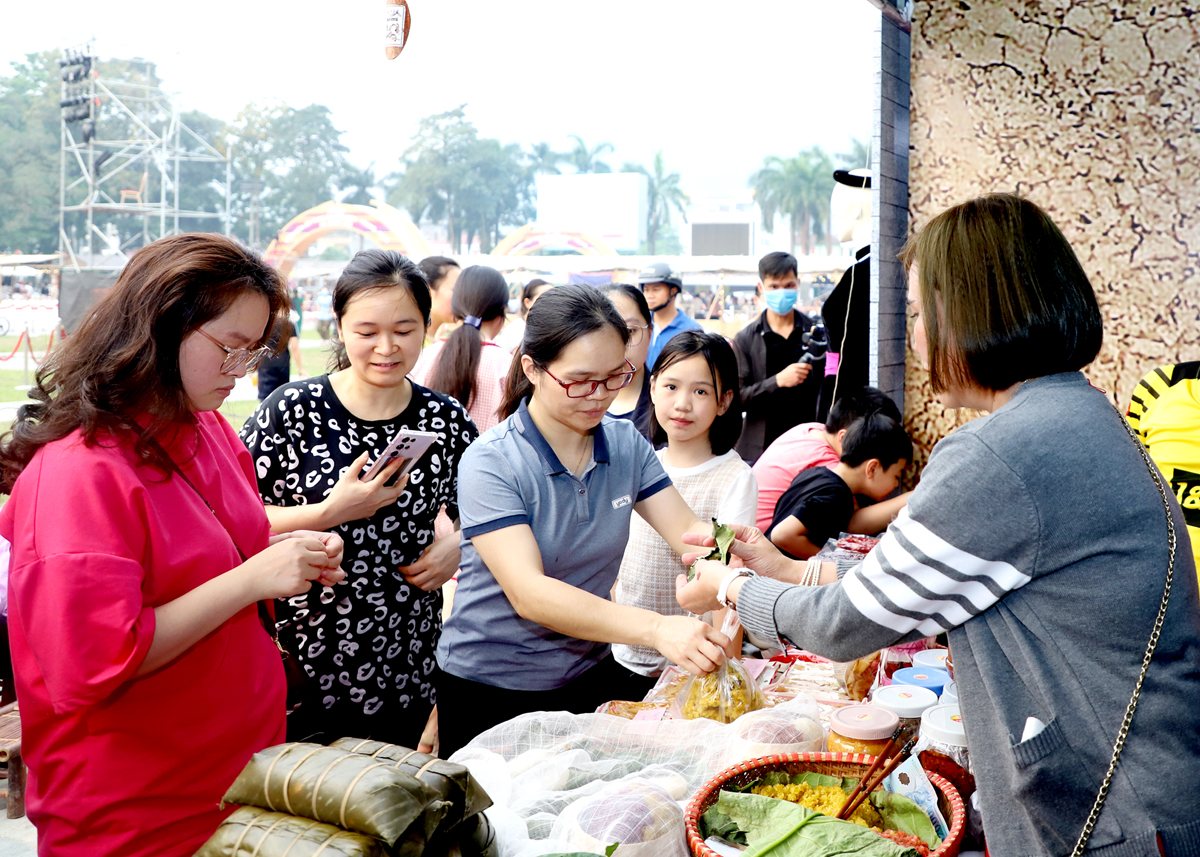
x=694, y=645
x=351, y=499
x=288, y=567
x=750, y=549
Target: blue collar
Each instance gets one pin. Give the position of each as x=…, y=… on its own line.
x=530, y=431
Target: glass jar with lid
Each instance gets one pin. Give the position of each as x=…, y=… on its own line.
x=907, y=702
x=862, y=729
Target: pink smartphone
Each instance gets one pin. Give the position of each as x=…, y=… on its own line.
x=406, y=444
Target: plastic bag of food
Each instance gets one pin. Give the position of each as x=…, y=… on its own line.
x=857, y=678
x=352, y=791
x=790, y=727
x=723, y=695
x=256, y=831
x=637, y=815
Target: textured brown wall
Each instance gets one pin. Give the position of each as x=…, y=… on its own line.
x=1092, y=110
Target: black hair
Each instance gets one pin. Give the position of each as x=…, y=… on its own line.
x=560, y=316
x=481, y=293
x=777, y=264
x=876, y=436
x=717, y=352
x=373, y=271
x=435, y=267
x=855, y=404
x=527, y=294
x=634, y=294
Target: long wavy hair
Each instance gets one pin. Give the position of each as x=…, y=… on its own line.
x=123, y=361
x=482, y=293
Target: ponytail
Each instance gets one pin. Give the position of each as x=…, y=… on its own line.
x=480, y=295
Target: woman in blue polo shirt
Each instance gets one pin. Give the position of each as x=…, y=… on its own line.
x=545, y=500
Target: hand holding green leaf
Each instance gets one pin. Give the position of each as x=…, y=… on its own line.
x=723, y=535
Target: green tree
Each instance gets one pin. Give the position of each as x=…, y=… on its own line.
x=663, y=194
x=29, y=127
x=543, y=159
x=586, y=160
x=798, y=187
x=355, y=185
x=475, y=185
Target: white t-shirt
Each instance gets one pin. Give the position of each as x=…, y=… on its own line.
x=741, y=501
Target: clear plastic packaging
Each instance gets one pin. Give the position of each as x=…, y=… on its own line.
x=790, y=727
x=640, y=816
x=723, y=695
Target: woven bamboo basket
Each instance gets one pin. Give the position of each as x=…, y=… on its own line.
x=833, y=764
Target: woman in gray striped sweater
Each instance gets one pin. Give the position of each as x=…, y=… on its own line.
x=1038, y=539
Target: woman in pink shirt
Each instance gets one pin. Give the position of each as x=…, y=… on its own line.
x=140, y=553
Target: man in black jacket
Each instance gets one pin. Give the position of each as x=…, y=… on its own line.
x=780, y=388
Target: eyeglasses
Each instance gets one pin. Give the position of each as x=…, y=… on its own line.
x=636, y=332
x=583, y=389
x=238, y=358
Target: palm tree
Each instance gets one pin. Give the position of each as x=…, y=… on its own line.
x=663, y=194
x=798, y=187
x=859, y=156
x=356, y=184
x=543, y=159
x=586, y=160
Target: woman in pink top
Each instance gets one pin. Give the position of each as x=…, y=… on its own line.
x=145, y=675
x=469, y=365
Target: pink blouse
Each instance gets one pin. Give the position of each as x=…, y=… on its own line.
x=120, y=764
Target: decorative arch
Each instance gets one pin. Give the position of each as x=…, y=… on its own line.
x=530, y=238
x=385, y=226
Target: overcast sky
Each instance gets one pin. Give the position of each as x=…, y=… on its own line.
x=716, y=85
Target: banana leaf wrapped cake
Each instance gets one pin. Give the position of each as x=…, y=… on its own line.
x=450, y=781
x=349, y=790
x=252, y=830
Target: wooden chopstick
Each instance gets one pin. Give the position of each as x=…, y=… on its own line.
x=879, y=760
x=892, y=764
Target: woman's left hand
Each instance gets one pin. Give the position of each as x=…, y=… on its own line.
x=700, y=595
x=334, y=549
x=436, y=565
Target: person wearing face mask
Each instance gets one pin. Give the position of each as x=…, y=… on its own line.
x=662, y=286
x=780, y=382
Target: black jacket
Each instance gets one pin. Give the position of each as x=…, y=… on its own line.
x=760, y=391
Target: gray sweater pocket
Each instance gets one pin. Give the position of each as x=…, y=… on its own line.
x=1051, y=783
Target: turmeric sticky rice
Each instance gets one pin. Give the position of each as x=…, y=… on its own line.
x=827, y=800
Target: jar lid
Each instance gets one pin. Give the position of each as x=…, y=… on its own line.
x=905, y=700
x=950, y=693
x=932, y=679
x=931, y=659
x=943, y=723
x=864, y=722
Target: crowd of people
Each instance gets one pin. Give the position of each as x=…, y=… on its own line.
x=578, y=456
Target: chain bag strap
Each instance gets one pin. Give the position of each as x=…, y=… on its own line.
x=1127, y=723
x=296, y=676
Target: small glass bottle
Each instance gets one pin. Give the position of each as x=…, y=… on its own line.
x=908, y=703
x=862, y=729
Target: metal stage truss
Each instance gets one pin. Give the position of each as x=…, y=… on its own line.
x=111, y=130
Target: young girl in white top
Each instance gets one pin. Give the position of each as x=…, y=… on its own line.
x=698, y=414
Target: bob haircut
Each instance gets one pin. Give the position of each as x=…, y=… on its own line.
x=1002, y=294
x=123, y=360
x=376, y=271
x=560, y=316
x=725, y=430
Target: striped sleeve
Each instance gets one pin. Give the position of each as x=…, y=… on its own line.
x=968, y=537
x=1148, y=391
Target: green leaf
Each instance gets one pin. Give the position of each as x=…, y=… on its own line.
x=724, y=537
x=902, y=813
x=815, y=779
x=608, y=852
x=784, y=829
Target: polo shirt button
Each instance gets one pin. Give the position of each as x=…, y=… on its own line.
x=582, y=490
